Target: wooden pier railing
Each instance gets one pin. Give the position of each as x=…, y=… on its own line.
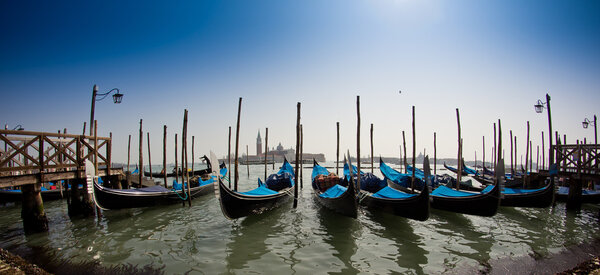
x=28, y=157
x=578, y=158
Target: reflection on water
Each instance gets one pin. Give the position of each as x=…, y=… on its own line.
x=309, y=239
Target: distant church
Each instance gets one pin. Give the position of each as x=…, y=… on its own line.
x=279, y=153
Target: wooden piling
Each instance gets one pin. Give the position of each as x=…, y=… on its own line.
x=543, y=153
x=301, y=154
x=414, y=142
x=297, y=153
x=459, y=169
x=177, y=164
x=128, y=152
x=494, y=154
x=193, y=159
x=512, y=169
x=165, y=154
x=141, y=156
x=537, y=163
x=499, y=156
x=266, y=150
x=530, y=157
x=526, y=177
x=149, y=156
x=247, y=162
x=404, y=145
x=32, y=209
x=515, y=137
x=372, y=148
x=337, y=151
x=434, y=154
x=237, y=142
x=229, y=158
x=185, y=157
x=357, y=143
x=483, y=157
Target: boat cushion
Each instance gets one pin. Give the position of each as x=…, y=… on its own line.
x=391, y=193
x=259, y=191
x=334, y=192
x=324, y=182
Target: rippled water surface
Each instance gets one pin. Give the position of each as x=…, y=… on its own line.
x=309, y=239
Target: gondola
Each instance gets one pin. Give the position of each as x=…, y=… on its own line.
x=484, y=203
x=398, y=180
x=587, y=196
x=109, y=198
x=334, y=193
x=15, y=195
x=542, y=197
x=278, y=189
x=376, y=195
x=159, y=174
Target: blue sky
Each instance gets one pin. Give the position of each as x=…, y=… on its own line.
x=490, y=59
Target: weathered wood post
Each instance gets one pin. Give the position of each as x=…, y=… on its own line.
x=266, y=150
x=176, y=163
x=32, y=211
x=301, y=154
x=512, y=169
x=193, y=159
x=337, y=151
x=414, y=158
x=372, y=148
x=75, y=204
x=459, y=169
x=141, y=157
x=184, y=145
x=404, y=145
x=128, y=153
x=229, y=158
x=149, y=156
x=297, y=154
x=575, y=183
x=434, y=154
x=483, y=157
x=516, y=166
x=494, y=154
x=530, y=158
x=357, y=143
x=237, y=141
x=499, y=156
x=165, y=154
x=247, y=162
x=543, y=153
x=526, y=177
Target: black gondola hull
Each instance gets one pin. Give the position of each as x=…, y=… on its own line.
x=235, y=205
x=109, y=198
x=416, y=208
x=346, y=204
x=482, y=204
x=542, y=198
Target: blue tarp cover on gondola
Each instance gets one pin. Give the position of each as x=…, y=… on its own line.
x=391, y=193
x=259, y=191
x=368, y=181
x=519, y=191
x=401, y=179
x=334, y=192
x=283, y=179
x=564, y=190
x=444, y=191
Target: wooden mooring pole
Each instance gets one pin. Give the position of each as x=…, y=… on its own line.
x=404, y=145
x=193, y=159
x=184, y=145
x=237, y=142
x=526, y=177
x=372, y=149
x=357, y=143
x=149, y=155
x=247, y=162
x=266, y=150
x=128, y=153
x=301, y=154
x=165, y=154
x=229, y=158
x=176, y=163
x=414, y=158
x=459, y=169
x=434, y=154
x=297, y=154
x=141, y=157
x=512, y=168
x=337, y=151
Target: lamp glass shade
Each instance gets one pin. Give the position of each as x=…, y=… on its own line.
x=117, y=98
x=538, y=108
x=585, y=124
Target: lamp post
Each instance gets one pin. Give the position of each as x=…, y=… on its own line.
x=586, y=122
x=117, y=98
x=539, y=108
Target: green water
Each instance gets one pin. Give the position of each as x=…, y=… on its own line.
x=306, y=240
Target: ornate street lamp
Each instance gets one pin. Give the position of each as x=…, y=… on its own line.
x=586, y=122
x=117, y=98
x=539, y=108
x=18, y=128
